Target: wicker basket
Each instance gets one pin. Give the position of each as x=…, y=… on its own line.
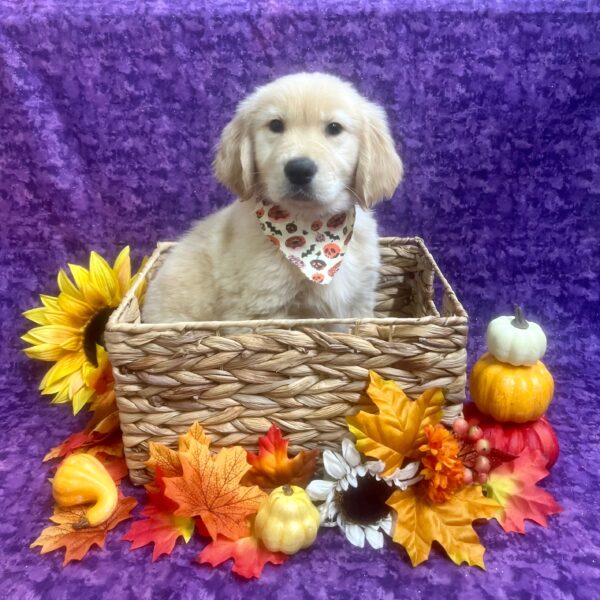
x=288, y=372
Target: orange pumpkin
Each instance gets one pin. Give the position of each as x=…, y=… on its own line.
x=511, y=393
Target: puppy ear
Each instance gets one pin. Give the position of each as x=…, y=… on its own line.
x=234, y=162
x=379, y=169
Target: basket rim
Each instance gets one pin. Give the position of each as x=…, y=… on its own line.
x=119, y=321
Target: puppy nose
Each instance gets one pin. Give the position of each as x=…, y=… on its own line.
x=300, y=171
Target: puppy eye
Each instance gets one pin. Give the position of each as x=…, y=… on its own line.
x=334, y=129
x=276, y=126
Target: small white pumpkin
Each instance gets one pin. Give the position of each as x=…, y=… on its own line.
x=516, y=341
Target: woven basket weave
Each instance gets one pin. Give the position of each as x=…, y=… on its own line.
x=288, y=372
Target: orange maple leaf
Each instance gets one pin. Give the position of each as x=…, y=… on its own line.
x=272, y=467
x=420, y=522
x=163, y=458
x=167, y=460
x=77, y=540
x=195, y=432
x=210, y=488
x=513, y=486
x=397, y=431
x=248, y=554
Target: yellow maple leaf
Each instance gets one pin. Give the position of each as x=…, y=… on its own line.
x=396, y=432
x=420, y=522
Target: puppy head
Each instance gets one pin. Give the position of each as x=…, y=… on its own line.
x=311, y=142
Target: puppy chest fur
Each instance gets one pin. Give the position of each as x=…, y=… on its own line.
x=226, y=269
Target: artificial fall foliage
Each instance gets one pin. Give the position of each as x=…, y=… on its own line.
x=212, y=492
x=77, y=540
x=210, y=488
x=513, y=486
x=397, y=430
x=160, y=528
x=421, y=522
x=103, y=436
x=272, y=467
x=168, y=461
x=248, y=554
x=115, y=465
x=219, y=494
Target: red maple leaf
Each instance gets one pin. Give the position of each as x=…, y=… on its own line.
x=513, y=486
x=69, y=445
x=99, y=435
x=156, y=493
x=201, y=528
x=272, y=467
x=115, y=465
x=248, y=554
x=161, y=529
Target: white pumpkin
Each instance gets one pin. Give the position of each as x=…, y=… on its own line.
x=516, y=341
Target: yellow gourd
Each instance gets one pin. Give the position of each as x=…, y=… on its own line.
x=511, y=393
x=287, y=520
x=81, y=479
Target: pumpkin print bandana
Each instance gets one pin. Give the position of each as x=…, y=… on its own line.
x=316, y=246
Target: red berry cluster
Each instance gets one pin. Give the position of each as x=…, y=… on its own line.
x=475, y=451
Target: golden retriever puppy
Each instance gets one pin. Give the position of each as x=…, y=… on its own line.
x=307, y=157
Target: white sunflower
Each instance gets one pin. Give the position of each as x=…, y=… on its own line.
x=354, y=497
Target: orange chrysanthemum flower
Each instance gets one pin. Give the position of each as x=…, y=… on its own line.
x=443, y=471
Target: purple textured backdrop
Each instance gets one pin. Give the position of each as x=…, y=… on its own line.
x=108, y=116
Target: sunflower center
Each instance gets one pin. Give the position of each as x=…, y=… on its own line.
x=94, y=334
x=365, y=503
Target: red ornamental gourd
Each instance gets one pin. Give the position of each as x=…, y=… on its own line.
x=513, y=438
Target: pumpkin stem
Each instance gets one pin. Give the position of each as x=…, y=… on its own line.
x=287, y=490
x=519, y=321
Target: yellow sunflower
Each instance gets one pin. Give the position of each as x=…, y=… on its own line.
x=71, y=332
